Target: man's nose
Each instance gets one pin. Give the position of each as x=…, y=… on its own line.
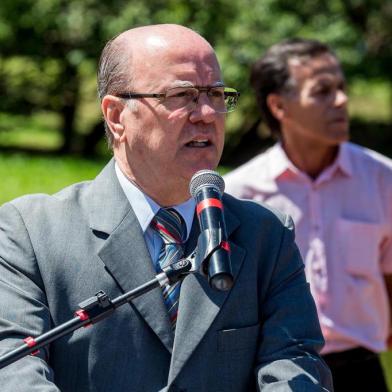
x=341, y=98
x=203, y=109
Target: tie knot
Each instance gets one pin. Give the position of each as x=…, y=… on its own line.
x=170, y=225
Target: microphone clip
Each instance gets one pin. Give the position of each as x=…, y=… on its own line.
x=209, y=241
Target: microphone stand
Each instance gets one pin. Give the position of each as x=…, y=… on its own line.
x=97, y=308
x=100, y=306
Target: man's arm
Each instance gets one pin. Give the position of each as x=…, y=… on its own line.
x=23, y=306
x=291, y=335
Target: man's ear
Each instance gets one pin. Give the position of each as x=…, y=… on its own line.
x=276, y=105
x=112, y=108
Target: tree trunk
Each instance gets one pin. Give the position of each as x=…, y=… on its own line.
x=70, y=83
x=92, y=139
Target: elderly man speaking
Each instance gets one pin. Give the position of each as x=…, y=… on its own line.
x=164, y=104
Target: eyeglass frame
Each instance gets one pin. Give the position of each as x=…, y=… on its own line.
x=206, y=89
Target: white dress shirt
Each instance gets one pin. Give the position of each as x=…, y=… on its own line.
x=145, y=209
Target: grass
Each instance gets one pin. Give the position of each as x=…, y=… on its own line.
x=21, y=173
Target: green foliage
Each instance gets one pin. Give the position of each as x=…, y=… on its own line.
x=28, y=84
x=370, y=101
x=49, y=48
x=25, y=174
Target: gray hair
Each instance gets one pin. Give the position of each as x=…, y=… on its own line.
x=114, y=74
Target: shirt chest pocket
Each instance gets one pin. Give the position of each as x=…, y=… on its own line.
x=359, y=247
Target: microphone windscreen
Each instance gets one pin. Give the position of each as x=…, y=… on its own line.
x=205, y=178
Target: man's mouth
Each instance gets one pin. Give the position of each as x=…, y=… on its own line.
x=199, y=143
x=341, y=117
x=340, y=120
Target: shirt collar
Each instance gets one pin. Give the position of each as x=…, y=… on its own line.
x=280, y=162
x=145, y=208
x=342, y=163
x=343, y=160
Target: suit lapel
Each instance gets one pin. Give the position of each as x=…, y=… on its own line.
x=200, y=304
x=125, y=253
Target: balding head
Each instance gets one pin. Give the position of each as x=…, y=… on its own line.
x=160, y=37
x=126, y=56
x=168, y=133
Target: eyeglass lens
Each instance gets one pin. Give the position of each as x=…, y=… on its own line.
x=222, y=99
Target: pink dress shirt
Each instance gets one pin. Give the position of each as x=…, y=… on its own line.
x=344, y=232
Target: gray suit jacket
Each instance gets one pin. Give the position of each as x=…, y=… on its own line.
x=56, y=251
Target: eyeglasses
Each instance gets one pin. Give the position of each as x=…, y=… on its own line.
x=222, y=99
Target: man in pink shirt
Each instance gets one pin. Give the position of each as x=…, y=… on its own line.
x=340, y=197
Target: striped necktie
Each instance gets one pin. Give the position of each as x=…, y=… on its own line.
x=172, y=229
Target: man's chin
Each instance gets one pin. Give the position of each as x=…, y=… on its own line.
x=197, y=166
x=344, y=136
x=340, y=133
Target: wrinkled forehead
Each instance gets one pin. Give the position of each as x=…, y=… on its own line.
x=162, y=58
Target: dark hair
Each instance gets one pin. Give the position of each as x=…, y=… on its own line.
x=113, y=72
x=271, y=73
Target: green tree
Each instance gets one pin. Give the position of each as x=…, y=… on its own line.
x=47, y=46
x=68, y=33
x=360, y=31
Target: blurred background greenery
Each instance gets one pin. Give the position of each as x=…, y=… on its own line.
x=49, y=51
x=51, y=132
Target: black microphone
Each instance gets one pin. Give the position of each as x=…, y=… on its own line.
x=207, y=187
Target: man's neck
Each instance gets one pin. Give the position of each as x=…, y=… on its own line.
x=164, y=196
x=310, y=158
